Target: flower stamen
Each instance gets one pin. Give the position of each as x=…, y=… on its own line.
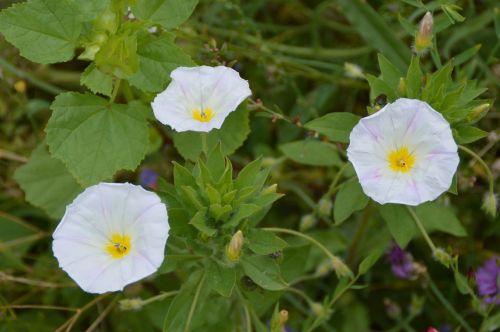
x=204, y=115
x=401, y=160
x=119, y=246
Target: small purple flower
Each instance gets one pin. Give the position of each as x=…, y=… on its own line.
x=401, y=262
x=486, y=279
x=148, y=178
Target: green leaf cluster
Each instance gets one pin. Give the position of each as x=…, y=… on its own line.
x=455, y=100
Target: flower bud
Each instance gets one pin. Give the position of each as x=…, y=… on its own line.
x=269, y=190
x=317, y=309
x=423, y=38
x=283, y=317
x=478, y=111
x=131, y=304
x=490, y=204
x=20, y=86
x=307, y=221
x=325, y=207
x=392, y=309
x=402, y=86
x=340, y=268
x=323, y=268
x=234, y=247
x=353, y=70
x=442, y=257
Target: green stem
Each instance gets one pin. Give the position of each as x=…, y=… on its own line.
x=449, y=307
x=204, y=145
x=360, y=230
x=159, y=297
x=304, y=236
x=28, y=77
x=485, y=166
x=333, y=185
x=195, y=302
x=248, y=318
x=116, y=88
x=421, y=228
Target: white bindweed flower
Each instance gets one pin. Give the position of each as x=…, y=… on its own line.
x=112, y=234
x=404, y=153
x=200, y=98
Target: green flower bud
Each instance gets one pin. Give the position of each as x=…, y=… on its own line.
x=130, y=304
x=269, y=190
x=307, y=221
x=233, y=250
x=325, y=206
x=423, y=38
x=340, y=268
x=490, y=204
x=402, y=86
x=442, y=257
x=353, y=70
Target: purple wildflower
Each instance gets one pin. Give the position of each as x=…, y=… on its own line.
x=401, y=262
x=148, y=178
x=486, y=279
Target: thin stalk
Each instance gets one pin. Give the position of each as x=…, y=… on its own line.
x=103, y=315
x=159, y=297
x=66, y=326
x=304, y=236
x=4, y=154
x=485, y=166
x=37, y=306
x=449, y=307
x=204, y=145
x=421, y=228
x=116, y=88
x=360, y=230
x=333, y=185
x=195, y=302
x=52, y=89
x=248, y=318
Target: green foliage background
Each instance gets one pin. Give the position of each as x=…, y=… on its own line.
x=76, y=82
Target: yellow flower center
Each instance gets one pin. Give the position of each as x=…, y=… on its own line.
x=119, y=245
x=204, y=115
x=401, y=160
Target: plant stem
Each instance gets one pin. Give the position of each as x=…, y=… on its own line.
x=28, y=77
x=204, y=145
x=360, y=230
x=333, y=185
x=195, y=302
x=248, y=318
x=103, y=315
x=304, y=236
x=421, y=228
x=485, y=166
x=159, y=297
x=116, y=88
x=449, y=307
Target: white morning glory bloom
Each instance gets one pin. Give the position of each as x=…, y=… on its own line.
x=404, y=153
x=200, y=98
x=112, y=234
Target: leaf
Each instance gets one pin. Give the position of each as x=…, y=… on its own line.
x=95, y=139
x=96, y=80
x=221, y=278
x=243, y=211
x=231, y=136
x=118, y=55
x=461, y=282
x=413, y=79
x=378, y=87
x=467, y=134
x=349, y=199
x=264, y=271
x=375, y=31
x=158, y=56
x=264, y=242
x=45, y=31
x=369, y=261
x=312, y=152
x=434, y=217
x=168, y=13
x=399, y=222
x=200, y=222
x=89, y=9
x=15, y=230
x=47, y=183
x=191, y=296
x=336, y=126
x=390, y=73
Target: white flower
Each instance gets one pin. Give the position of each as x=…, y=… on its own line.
x=110, y=236
x=404, y=153
x=200, y=98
